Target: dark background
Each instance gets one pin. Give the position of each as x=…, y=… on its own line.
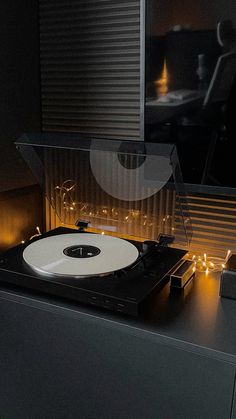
x=20, y=105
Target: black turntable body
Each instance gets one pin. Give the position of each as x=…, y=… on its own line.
x=124, y=290
x=125, y=200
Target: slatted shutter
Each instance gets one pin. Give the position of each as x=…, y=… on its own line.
x=213, y=220
x=90, y=67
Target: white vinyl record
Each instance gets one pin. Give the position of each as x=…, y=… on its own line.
x=129, y=184
x=79, y=254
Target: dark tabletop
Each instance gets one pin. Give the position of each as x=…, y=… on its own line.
x=196, y=319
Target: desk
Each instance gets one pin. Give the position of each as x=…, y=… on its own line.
x=60, y=360
x=158, y=112
x=173, y=122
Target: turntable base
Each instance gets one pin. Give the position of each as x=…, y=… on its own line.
x=124, y=290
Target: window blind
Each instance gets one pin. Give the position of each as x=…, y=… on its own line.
x=90, y=67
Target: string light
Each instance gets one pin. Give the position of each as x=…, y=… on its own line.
x=65, y=193
x=209, y=263
x=68, y=186
x=37, y=234
x=34, y=235
x=134, y=217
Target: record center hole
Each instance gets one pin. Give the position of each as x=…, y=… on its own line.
x=81, y=251
x=131, y=157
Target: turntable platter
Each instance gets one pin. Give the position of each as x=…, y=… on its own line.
x=79, y=255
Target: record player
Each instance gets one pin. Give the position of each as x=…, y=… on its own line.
x=116, y=221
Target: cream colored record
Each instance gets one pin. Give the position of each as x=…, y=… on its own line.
x=79, y=254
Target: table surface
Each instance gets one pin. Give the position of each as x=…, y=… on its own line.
x=157, y=112
x=196, y=319
x=175, y=102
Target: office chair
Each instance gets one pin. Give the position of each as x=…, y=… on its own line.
x=217, y=108
x=209, y=119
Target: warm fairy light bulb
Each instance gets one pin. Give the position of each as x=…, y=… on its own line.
x=227, y=255
x=22, y=241
x=103, y=232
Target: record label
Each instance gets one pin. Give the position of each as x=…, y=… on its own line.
x=79, y=255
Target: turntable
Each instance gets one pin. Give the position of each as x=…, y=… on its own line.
x=134, y=203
